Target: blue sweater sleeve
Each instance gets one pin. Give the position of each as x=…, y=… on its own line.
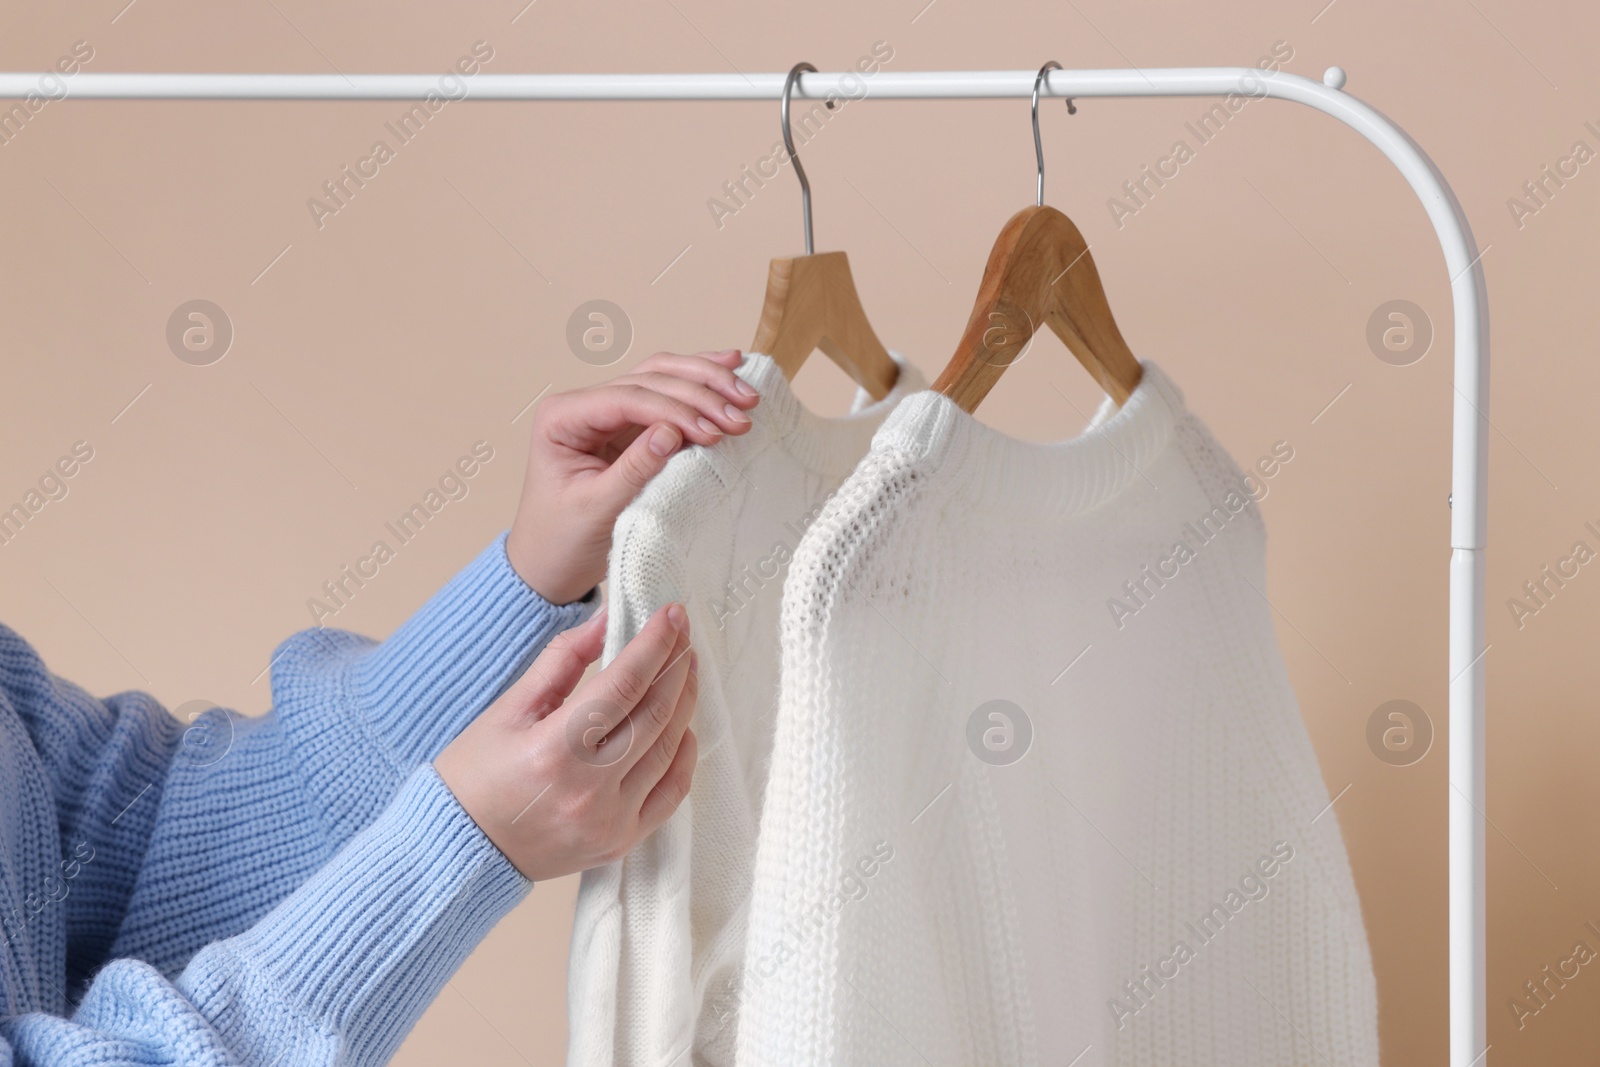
x=324, y=875
x=253, y=806
x=337, y=972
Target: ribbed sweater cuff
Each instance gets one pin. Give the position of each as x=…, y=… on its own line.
x=364, y=945
x=456, y=654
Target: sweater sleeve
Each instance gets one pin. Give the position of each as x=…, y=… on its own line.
x=293, y=888
x=335, y=973
x=252, y=807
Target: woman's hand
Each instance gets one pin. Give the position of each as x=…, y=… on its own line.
x=595, y=448
x=563, y=777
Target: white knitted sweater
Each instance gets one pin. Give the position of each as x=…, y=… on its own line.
x=658, y=938
x=1158, y=880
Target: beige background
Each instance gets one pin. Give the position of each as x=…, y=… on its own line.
x=428, y=313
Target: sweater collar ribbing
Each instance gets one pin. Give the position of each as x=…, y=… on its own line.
x=828, y=446
x=998, y=473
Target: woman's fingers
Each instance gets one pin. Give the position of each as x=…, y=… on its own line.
x=603, y=704
x=726, y=357
x=665, y=796
x=655, y=759
x=653, y=714
x=699, y=397
x=704, y=369
x=596, y=415
x=711, y=404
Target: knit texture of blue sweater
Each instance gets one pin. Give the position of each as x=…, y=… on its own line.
x=289, y=889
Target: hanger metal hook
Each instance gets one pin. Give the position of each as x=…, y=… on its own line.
x=788, y=145
x=1038, y=146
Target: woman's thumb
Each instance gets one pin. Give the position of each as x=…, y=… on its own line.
x=556, y=672
x=641, y=461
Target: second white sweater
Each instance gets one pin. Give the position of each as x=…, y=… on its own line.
x=1040, y=790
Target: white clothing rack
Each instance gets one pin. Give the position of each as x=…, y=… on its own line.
x=1469, y=467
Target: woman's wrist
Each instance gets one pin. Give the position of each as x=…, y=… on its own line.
x=557, y=580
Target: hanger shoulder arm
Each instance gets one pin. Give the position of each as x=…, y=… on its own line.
x=1039, y=273
x=812, y=303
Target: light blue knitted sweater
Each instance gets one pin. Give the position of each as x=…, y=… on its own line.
x=289, y=889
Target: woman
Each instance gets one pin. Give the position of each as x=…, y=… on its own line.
x=296, y=889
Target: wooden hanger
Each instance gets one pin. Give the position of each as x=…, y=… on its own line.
x=812, y=302
x=1039, y=273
